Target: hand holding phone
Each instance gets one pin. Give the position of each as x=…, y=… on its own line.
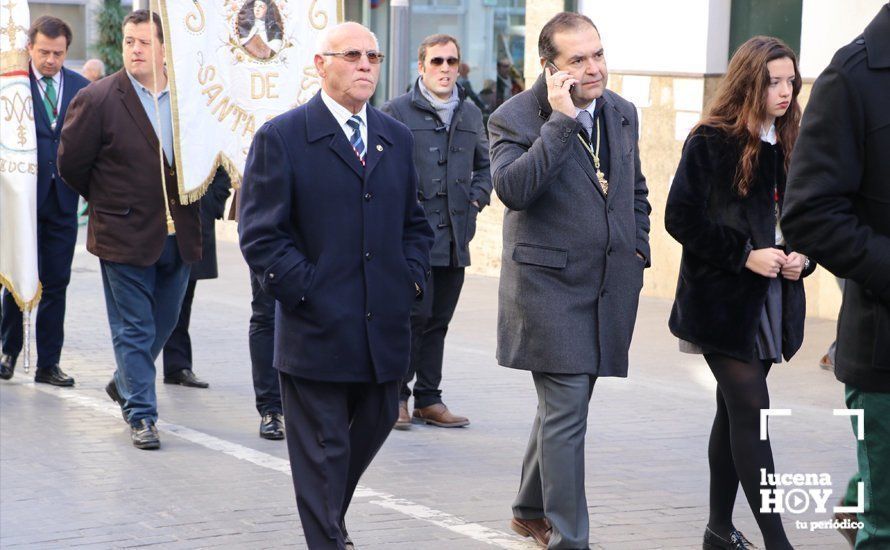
x=559, y=89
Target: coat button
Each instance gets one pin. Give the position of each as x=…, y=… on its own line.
x=367, y=196
x=172, y=202
x=611, y=208
x=603, y=293
x=367, y=256
x=368, y=316
x=609, y=251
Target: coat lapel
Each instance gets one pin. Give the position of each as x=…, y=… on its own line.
x=134, y=107
x=320, y=122
x=68, y=93
x=583, y=157
x=40, y=117
x=615, y=123
x=379, y=141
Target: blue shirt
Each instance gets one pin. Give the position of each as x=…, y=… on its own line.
x=165, y=135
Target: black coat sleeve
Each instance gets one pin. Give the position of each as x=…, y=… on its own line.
x=820, y=218
x=686, y=216
x=265, y=210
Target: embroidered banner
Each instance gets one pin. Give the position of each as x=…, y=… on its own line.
x=233, y=65
x=18, y=160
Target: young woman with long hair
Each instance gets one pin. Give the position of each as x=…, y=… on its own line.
x=740, y=298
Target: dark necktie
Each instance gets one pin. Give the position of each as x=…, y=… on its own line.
x=355, y=122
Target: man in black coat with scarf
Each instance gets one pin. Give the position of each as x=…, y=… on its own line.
x=837, y=211
x=451, y=157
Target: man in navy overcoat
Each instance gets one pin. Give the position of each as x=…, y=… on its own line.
x=52, y=87
x=331, y=225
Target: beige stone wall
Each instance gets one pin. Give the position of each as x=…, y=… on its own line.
x=673, y=104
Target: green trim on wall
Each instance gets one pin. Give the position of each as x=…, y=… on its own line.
x=779, y=18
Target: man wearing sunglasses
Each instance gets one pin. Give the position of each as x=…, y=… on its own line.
x=451, y=156
x=331, y=226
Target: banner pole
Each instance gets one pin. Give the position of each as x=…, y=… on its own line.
x=26, y=348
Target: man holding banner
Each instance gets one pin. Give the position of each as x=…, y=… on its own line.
x=52, y=88
x=331, y=225
x=117, y=152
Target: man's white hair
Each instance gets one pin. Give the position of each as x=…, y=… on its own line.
x=323, y=44
x=96, y=65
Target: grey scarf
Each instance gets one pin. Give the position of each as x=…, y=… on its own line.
x=445, y=109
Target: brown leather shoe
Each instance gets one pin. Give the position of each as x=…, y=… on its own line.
x=404, y=421
x=826, y=363
x=538, y=529
x=439, y=415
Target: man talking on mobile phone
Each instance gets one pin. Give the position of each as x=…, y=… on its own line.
x=565, y=162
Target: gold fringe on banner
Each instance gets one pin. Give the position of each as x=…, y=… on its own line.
x=221, y=160
x=23, y=305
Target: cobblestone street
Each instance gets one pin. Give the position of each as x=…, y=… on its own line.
x=69, y=476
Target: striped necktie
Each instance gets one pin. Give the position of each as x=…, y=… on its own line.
x=355, y=122
x=586, y=121
x=50, y=100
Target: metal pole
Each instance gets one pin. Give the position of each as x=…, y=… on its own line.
x=398, y=47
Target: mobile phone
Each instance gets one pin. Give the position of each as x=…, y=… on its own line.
x=553, y=66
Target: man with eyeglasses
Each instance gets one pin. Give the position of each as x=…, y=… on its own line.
x=331, y=226
x=565, y=162
x=451, y=156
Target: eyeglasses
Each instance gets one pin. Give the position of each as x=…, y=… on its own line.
x=374, y=57
x=437, y=61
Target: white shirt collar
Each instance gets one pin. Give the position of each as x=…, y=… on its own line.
x=768, y=135
x=57, y=78
x=341, y=113
x=590, y=109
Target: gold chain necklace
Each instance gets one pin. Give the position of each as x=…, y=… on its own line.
x=595, y=155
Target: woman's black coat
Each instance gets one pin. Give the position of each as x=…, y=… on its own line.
x=718, y=301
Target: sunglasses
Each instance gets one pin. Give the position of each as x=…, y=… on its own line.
x=437, y=61
x=374, y=57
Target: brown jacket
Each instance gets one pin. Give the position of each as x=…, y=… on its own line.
x=109, y=154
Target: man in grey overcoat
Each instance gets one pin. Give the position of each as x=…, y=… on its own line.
x=565, y=162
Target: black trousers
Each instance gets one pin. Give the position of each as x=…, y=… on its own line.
x=178, y=349
x=56, y=236
x=333, y=432
x=429, y=324
x=261, y=341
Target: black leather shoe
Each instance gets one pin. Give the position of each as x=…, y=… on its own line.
x=737, y=541
x=144, y=434
x=111, y=390
x=53, y=375
x=272, y=426
x=7, y=366
x=186, y=377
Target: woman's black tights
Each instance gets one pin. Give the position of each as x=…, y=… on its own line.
x=735, y=452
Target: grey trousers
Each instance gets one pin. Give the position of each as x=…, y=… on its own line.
x=552, y=484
